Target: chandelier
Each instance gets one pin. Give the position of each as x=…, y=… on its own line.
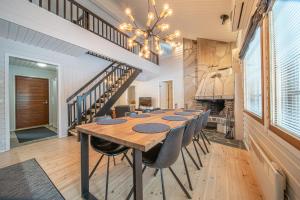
x=154, y=33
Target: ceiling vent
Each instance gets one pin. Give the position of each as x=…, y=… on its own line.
x=241, y=14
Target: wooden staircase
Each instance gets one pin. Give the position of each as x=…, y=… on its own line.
x=98, y=95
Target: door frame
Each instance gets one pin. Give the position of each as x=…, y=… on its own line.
x=159, y=91
x=6, y=92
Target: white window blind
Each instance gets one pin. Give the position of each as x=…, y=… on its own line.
x=252, y=73
x=285, y=65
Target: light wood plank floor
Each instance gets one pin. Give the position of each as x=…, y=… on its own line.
x=226, y=173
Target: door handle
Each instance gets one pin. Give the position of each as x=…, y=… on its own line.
x=46, y=102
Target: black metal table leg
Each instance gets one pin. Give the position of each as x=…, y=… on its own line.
x=84, y=145
x=137, y=175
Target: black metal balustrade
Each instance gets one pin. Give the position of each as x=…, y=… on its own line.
x=76, y=13
x=98, y=95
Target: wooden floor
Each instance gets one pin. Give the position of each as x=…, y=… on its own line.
x=226, y=173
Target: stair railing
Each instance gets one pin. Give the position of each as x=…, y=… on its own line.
x=91, y=101
x=78, y=14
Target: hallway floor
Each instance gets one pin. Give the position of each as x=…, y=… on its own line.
x=226, y=173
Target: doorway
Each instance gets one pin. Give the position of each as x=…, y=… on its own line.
x=166, y=94
x=33, y=96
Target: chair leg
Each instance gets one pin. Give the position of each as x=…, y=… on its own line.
x=93, y=171
x=128, y=160
x=131, y=191
x=114, y=160
x=201, y=147
x=162, y=184
x=200, y=162
x=156, y=171
x=204, y=142
x=123, y=156
x=107, y=179
x=205, y=137
x=180, y=184
x=192, y=158
x=186, y=171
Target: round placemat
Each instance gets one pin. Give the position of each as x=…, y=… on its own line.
x=158, y=112
x=110, y=121
x=174, y=118
x=140, y=116
x=151, y=128
x=190, y=110
x=183, y=113
x=168, y=109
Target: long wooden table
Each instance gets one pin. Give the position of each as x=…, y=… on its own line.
x=124, y=135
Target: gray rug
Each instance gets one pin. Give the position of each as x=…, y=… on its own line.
x=34, y=134
x=27, y=180
x=217, y=137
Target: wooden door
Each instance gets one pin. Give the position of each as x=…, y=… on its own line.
x=32, y=106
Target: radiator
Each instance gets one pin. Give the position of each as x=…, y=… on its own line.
x=270, y=177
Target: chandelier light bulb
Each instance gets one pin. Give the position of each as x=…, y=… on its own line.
x=128, y=11
x=177, y=33
x=153, y=2
x=150, y=18
x=166, y=7
x=164, y=27
x=139, y=32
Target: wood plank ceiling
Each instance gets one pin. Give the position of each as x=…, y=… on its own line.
x=25, y=35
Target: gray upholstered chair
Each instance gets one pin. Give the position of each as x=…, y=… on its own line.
x=205, y=121
x=163, y=156
x=199, y=133
x=109, y=149
x=121, y=110
x=187, y=140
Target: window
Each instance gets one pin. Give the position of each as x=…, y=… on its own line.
x=285, y=66
x=253, y=74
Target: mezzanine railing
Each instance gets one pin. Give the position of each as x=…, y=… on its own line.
x=76, y=13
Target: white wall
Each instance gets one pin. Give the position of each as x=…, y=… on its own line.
x=36, y=73
x=73, y=72
x=171, y=68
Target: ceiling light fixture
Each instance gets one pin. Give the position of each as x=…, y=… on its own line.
x=154, y=32
x=41, y=64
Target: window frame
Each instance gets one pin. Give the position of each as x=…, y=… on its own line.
x=248, y=112
x=279, y=131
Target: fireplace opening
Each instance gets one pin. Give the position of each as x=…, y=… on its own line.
x=216, y=106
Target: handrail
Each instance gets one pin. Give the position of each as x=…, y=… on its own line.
x=83, y=17
x=89, y=82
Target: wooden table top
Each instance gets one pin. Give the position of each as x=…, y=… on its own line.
x=124, y=135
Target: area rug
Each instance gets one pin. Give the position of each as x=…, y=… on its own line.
x=34, y=134
x=217, y=137
x=27, y=180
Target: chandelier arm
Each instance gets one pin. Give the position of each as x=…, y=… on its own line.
x=155, y=10
x=154, y=25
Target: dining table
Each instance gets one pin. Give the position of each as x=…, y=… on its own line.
x=124, y=134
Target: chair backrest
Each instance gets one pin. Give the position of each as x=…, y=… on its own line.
x=199, y=124
x=205, y=120
x=170, y=149
x=121, y=110
x=189, y=132
x=128, y=114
